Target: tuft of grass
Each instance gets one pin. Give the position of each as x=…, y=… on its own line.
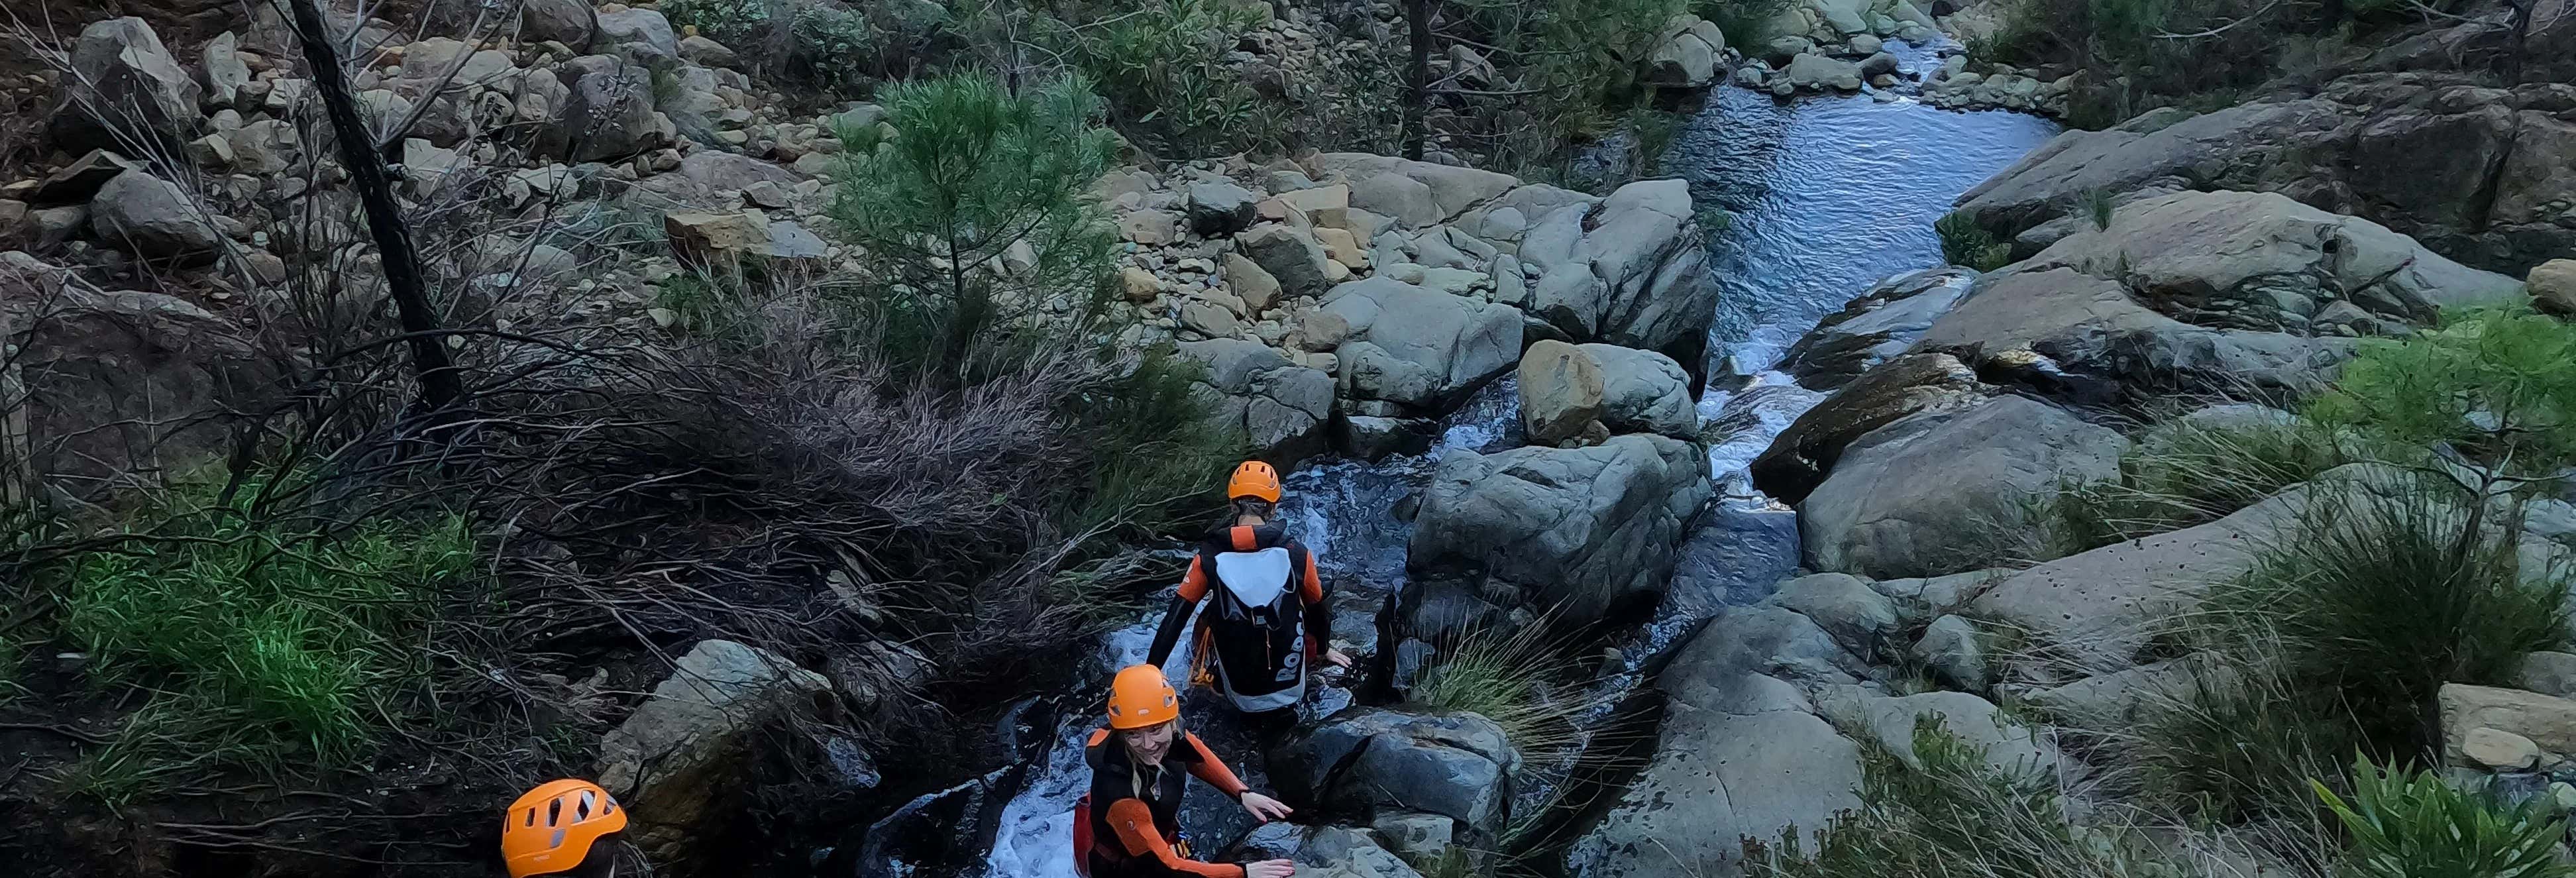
x=2408, y=824
x=2098, y=207
x=2189, y=473
x=1965, y=243
x=1519, y=679
x=291, y=630
x=1956, y=817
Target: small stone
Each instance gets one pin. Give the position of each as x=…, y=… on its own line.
x=662, y=317
x=1150, y=227
x=2553, y=286
x=2499, y=750
x=2565, y=794
x=1141, y=285
x=1209, y=317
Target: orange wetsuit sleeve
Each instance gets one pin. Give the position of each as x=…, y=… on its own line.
x=1211, y=769
x=1135, y=825
x=1319, y=618
x=1313, y=588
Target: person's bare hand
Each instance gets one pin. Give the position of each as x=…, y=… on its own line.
x=1265, y=808
x=1337, y=658
x=1269, y=869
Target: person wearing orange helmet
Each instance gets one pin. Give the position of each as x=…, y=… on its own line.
x=1128, y=825
x=566, y=827
x=1268, y=620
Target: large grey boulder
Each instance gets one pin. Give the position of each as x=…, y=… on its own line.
x=2099, y=608
x=2255, y=260
x=151, y=218
x=1643, y=392
x=114, y=382
x=1589, y=532
x=1561, y=391
x=1926, y=494
x=1565, y=387
x=1290, y=255
x=610, y=115
x=2120, y=699
x=1630, y=271
x=2084, y=339
x=1800, y=456
x=639, y=35
x=673, y=761
x=1450, y=189
x=1856, y=615
x=1278, y=407
x=1689, y=56
x=1415, y=347
x=1813, y=72
x=123, y=78
x=1455, y=765
x=570, y=22
x=2477, y=173
x=1875, y=327
x=1219, y=208
x=1741, y=752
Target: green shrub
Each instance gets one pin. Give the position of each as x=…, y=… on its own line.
x=976, y=174
x=287, y=629
x=1955, y=817
x=2416, y=825
x=1965, y=243
x=825, y=44
x=1162, y=67
x=2236, y=745
x=995, y=259
x=1579, y=59
x=2490, y=386
x=1747, y=24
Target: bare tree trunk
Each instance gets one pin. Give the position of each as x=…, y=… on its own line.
x=440, y=387
x=1417, y=75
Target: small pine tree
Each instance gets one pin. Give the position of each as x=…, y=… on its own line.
x=978, y=217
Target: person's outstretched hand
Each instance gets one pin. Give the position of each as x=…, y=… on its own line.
x=1269, y=869
x=1337, y=658
x=1265, y=808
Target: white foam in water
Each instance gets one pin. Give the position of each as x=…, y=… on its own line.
x=1036, y=838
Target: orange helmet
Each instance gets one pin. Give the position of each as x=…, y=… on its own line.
x=551, y=828
x=1253, y=479
x=1139, y=697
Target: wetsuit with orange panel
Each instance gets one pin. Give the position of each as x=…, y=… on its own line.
x=1266, y=620
x=1135, y=810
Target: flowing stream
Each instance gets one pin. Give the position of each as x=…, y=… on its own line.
x=1826, y=196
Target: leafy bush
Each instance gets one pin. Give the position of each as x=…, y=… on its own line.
x=979, y=215
x=1963, y=242
x=2416, y=825
x=1162, y=67
x=287, y=628
x=1955, y=817
x=1580, y=58
x=826, y=44
x=2491, y=387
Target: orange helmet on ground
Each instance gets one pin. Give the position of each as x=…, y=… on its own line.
x=1139, y=697
x=551, y=828
x=1253, y=479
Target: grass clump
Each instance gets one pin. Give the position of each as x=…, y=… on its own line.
x=1965, y=243
x=1511, y=676
x=2410, y=824
x=291, y=630
x=2188, y=472
x=1954, y=817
